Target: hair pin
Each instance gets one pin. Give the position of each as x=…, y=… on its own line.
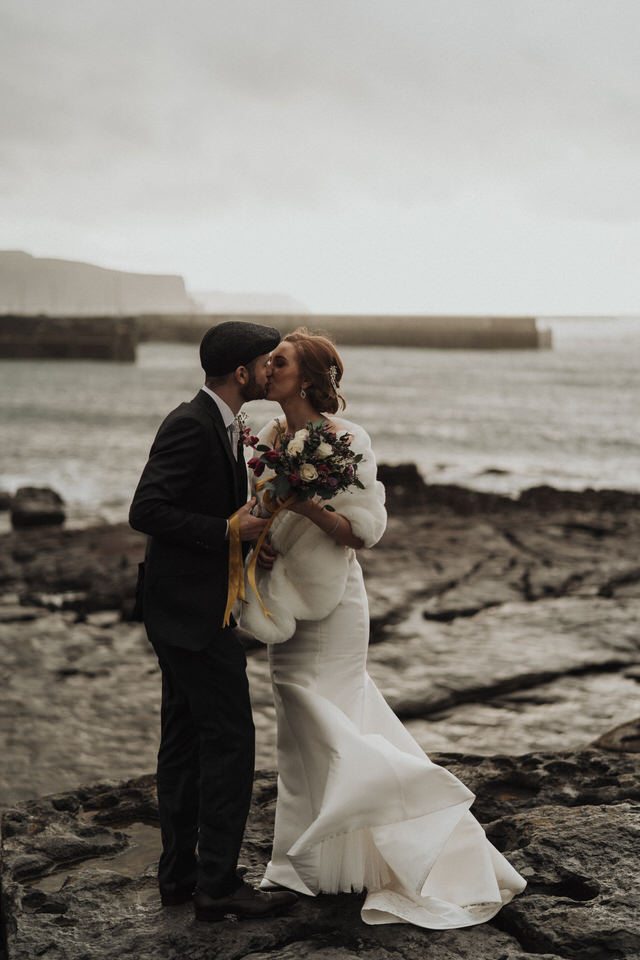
x=333, y=376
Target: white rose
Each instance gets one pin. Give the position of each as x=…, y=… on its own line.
x=302, y=435
x=324, y=450
x=295, y=446
x=307, y=472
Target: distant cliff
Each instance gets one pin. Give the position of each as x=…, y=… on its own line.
x=31, y=285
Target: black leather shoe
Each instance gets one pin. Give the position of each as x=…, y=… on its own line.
x=177, y=893
x=246, y=902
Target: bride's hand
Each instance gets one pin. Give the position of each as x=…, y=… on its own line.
x=303, y=507
x=267, y=556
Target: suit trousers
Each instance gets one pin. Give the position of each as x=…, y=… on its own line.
x=205, y=763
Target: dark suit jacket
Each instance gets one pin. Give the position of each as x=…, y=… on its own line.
x=189, y=487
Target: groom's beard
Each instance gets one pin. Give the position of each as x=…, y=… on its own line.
x=252, y=390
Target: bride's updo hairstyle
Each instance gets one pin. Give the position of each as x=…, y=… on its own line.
x=316, y=356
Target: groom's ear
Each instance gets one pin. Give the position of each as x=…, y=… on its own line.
x=241, y=375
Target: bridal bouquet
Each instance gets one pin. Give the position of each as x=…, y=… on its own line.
x=313, y=462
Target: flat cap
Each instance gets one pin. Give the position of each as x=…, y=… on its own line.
x=234, y=343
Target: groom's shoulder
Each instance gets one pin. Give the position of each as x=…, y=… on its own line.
x=188, y=410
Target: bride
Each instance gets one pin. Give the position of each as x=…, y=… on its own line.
x=360, y=806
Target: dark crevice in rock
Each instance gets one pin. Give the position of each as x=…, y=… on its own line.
x=40, y=902
x=525, y=584
x=481, y=694
x=629, y=576
x=535, y=941
x=593, y=529
x=502, y=833
x=446, y=616
x=64, y=672
x=565, y=586
x=516, y=542
x=379, y=625
x=471, y=572
x=575, y=888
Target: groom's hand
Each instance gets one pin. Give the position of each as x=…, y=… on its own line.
x=250, y=527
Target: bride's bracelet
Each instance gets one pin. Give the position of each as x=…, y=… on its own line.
x=335, y=526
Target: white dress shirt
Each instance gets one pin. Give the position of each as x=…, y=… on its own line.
x=228, y=416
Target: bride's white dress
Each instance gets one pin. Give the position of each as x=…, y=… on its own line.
x=360, y=805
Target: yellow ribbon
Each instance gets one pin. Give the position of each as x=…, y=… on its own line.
x=236, y=567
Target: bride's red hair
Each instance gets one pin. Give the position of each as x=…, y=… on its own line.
x=316, y=355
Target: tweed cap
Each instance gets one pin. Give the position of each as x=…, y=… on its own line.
x=233, y=343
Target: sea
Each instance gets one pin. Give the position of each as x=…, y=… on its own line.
x=491, y=420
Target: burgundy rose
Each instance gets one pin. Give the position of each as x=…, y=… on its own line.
x=256, y=465
x=271, y=456
x=294, y=479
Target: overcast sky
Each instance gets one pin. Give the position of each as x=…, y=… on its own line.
x=359, y=155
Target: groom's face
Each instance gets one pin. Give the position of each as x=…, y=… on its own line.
x=255, y=387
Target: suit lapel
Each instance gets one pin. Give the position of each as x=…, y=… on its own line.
x=212, y=409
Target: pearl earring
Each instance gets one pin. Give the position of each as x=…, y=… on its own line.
x=303, y=393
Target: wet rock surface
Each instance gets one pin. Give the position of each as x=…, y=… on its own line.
x=80, y=701
x=79, y=570
x=494, y=632
x=497, y=629
x=79, y=874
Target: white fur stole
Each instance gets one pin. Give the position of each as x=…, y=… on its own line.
x=308, y=577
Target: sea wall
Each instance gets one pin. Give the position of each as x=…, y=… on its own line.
x=115, y=338
x=443, y=332
x=68, y=338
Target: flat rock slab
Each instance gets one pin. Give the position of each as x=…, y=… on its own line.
x=563, y=713
x=79, y=875
x=430, y=666
x=551, y=674
x=453, y=566
x=582, y=867
x=81, y=700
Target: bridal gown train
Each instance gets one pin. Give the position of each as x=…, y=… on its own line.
x=360, y=805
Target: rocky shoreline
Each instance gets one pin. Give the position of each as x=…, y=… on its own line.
x=504, y=633
x=79, y=884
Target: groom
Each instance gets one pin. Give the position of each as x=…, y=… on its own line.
x=194, y=480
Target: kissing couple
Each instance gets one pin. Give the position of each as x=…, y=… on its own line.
x=360, y=806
